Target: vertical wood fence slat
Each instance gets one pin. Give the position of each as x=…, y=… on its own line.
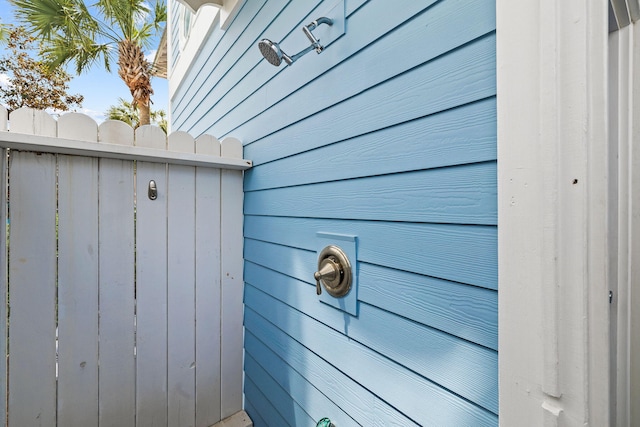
x=33, y=122
x=151, y=288
x=181, y=286
x=77, y=291
x=116, y=327
x=3, y=280
x=32, y=266
x=207, y=287
x=232, y=282
x=115, y=132
x=77, y=126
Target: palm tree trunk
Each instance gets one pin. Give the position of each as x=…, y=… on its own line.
x=135, y=71
x=143, y=112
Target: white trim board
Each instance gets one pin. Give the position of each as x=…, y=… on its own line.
x=552, y=212
x=19, y=141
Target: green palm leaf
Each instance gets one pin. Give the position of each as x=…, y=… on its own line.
x=74, y=33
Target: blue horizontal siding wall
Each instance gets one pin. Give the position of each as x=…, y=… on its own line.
x=388, y=135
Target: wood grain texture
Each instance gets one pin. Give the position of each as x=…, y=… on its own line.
x=462, y=135
x=406, y=391
x=459, y=195
x=353, y=5
x=4, y=116
x=378, y=137
x=464, y=368
x=117, y=310
x=268, y=413
x=277, y=396
x=468, y=312
x=33, y=122
x=267, y=85
x=375, y=59
x=464, y=311
x=111, y=329
x=275, y=21
x=115, y=132
x=151, y=296
x=214, y=48
x=196, y=93
x=254, y=414
x=78, y=291
x=181, y=363
x=47, y=144
x=463, y=76
x=231, y=259
x=284, y=357
x=295, y=387
x=77, y=126
x=459, y=253
x=32, y=292
x=207, y=287
x=4, y=283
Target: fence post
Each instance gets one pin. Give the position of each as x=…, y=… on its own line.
x=232, y=282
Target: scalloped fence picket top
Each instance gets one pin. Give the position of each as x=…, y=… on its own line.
x=121, y=274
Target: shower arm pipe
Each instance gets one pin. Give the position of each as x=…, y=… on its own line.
x=315, y=43
x=291, y=59
x=275, y=55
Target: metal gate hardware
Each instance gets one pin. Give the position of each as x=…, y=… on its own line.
x=153, y=190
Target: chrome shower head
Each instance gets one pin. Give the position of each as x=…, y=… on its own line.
x=272, y=53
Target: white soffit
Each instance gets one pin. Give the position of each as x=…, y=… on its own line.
x=228, y=8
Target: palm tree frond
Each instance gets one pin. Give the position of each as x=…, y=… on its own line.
x=71, y=34
x=160, y=15
x=52, y=18
x=126, y=14
x=84, y=53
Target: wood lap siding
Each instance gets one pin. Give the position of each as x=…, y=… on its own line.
x=389, y=135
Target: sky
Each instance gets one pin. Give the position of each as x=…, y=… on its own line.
x=100, y=89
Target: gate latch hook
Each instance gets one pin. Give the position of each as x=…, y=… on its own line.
x=153, y=190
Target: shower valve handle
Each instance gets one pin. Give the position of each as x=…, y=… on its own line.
x=334, y=272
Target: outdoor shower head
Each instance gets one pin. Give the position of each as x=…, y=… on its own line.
x=272, y=52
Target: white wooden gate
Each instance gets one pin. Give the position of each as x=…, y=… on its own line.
x=120, y=310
